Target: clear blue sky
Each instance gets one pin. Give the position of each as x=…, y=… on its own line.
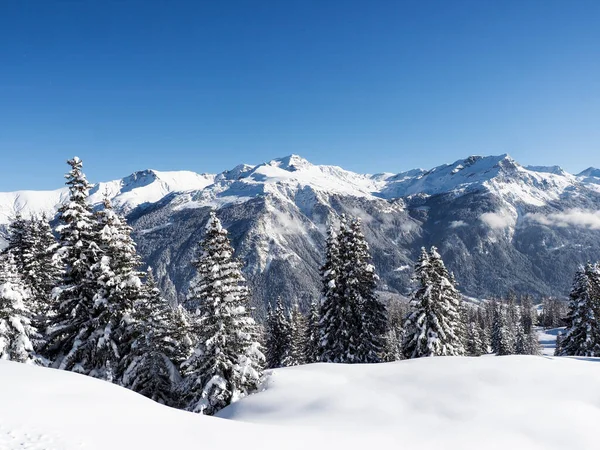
x=369, y=85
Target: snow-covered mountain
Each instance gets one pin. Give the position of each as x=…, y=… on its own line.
x=500, y=226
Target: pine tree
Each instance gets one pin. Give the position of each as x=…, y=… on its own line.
x=505, y=335
x=119, y=289
x=528, y=315
x=19, y=231
x=278, y=336
x=393, y=345
x=294, y=356
x=17, y=334
x=360, y=283
x=582, y=337
x=311, y=349
x=333, y=314
x=475, y=340
x=433, y=327
x=161, y=343
x=227, y=362
x=41, y=272
x=71, y=318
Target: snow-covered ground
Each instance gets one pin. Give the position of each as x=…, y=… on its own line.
x=518, y=402
x=547, y=339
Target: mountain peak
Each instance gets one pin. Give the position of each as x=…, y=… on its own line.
x=590, y=172
x=291, y=163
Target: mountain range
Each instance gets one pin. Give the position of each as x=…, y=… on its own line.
x=500, y=226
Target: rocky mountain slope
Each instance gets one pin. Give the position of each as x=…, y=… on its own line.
x=500, y=226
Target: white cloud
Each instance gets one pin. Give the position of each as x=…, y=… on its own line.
x=497, y=220
x=572, y=218
x=458, y=223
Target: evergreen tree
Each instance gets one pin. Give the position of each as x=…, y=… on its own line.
x=528, y=314
x=582, y=337
x=505, y=334
x=161, y=343
x=41, y=272
x=294, y=356
x=360, y=283
x=119, y=289
x=311, y=349
x=278, y=336
x=475, y=339
x=497, y=314
x=393, y=345
x=394, y=336
x=19, y=231
x=227, y=362
x=17, y=334
x=71, y=317
x=433, y=328
x=333, y=324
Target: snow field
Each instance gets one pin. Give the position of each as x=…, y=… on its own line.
x=512, y=402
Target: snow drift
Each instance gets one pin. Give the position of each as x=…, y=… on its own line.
x=519, y=402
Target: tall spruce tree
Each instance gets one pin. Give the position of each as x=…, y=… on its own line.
x=227, y=362
x=119, y=288
x=360, y=282
x=71, y=317
x=161, y=343
x=17, y=333
x=333, y=324
x=582, y=336
x=433, y=328
x=278, y=336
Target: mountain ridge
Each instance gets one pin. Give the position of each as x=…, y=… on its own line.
x=500, y=226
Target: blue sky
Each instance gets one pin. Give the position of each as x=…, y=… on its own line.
x=369, y=85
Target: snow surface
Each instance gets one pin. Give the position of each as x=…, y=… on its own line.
x=519, y=402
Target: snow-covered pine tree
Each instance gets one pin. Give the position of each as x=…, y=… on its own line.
x=475, y=339
x=495, y=310
x=433, y=327
x=333, y=311
x=520, y=339
x=504, y=333
x=278, y=336
x=311, y=339
x=119, y=289
x=528, y=314
x=582, y=336
x=41, y=272
x=394, y=336
x=70, y=320
x=161, y=343
x=227, y=362
x=17, y=334
x=294, y=356
x=393, y=345
x=359, y=280
x=19, y=241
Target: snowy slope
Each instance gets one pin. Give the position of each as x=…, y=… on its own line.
x=432, y=403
